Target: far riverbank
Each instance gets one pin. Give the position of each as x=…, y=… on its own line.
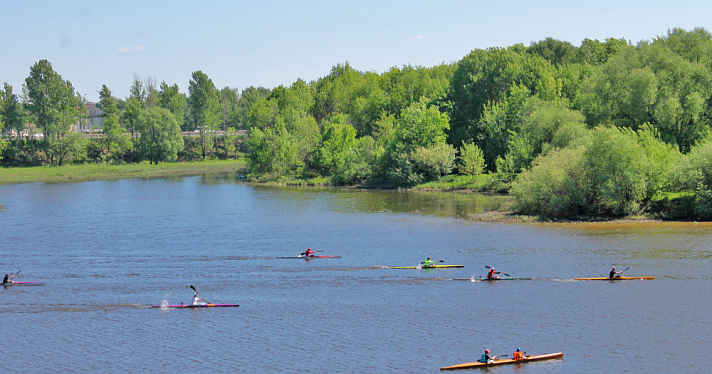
x=85, y=172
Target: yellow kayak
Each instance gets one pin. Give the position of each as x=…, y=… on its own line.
x=504, y=361
x=430, y=267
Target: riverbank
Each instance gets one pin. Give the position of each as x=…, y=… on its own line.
x=87, y=172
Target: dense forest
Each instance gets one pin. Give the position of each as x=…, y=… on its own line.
x=607, y=128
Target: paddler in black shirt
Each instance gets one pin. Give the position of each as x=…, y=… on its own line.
x=614, y=273
x=8, y=279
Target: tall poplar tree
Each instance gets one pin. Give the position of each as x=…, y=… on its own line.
x=204, y=103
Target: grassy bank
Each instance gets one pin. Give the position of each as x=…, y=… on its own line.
x=102, y=171
x=496, y=182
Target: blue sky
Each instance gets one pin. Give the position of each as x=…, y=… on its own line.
x=268, y=43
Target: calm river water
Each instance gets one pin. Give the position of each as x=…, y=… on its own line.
x=108, y=250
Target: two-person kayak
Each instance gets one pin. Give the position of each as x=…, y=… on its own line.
x=503, y=361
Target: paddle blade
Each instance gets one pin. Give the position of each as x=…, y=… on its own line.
x=441, y=261
x=506, y=274
x=193, y=288
x=488, y=267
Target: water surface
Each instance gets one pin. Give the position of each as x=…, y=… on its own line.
x=108, y=250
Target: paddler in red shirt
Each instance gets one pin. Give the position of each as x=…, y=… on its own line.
x=309, y=253
x=491, y=274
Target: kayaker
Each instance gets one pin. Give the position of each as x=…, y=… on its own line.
x=614, y=273
x=517, y=355
x=428, y=263
x=197, y=300
x=8, y=279
x=491, y=274
x=309, y=253
x=485, y=358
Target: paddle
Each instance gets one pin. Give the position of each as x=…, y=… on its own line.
x=625, y=269
x=191, y=286
x=434, y=261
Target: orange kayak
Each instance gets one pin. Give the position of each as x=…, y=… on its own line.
x=614, y=279
x=504, y=361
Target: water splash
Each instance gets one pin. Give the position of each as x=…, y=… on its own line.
x=164, y=302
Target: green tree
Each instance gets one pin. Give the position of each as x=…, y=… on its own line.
x=169, y=97
x=229, y=109
x=204, y=103
x=248, y=98
x=160, y=138
x=131, y=115
x=338, y=138
x=471, y=160
x=11, y=112
x=55, y=106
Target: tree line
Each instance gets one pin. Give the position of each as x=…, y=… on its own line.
x=607, y=128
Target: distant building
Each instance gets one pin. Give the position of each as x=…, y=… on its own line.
x=93, y=122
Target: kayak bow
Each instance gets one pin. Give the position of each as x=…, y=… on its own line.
x=430, y=267
x=504, y=361
x=614, y=279
x=196, y=306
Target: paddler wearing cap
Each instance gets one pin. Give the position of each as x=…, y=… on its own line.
x=517, y=355
x=485, y=358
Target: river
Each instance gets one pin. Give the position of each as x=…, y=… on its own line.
x=108, y=250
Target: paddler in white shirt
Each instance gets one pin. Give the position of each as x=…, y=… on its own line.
x=197, y=300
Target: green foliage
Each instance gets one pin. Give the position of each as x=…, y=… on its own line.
x=423, y=164
x=612, y=172
x=131, y=115
x=360, y=162
x=160, y=138
x=693, y=171
x=471, y=160
x=650, y=84
x=337, y=140
x=169, y=97
x=703, y=203
x=420, y=126
x=553, y=186
x=542, y=125
x=204, y=104
x=11, y=112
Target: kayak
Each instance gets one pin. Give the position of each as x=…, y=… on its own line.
x=614, y=279
x=430, y=267
x=310, y=257
x=24, y=284
x=504, y=361
x=480, y=279
x=196, y=306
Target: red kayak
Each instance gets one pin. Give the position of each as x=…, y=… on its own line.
x=310, y=257
x=196, y=306
x=24, y=284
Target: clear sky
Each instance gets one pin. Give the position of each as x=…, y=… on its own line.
x=268, y=43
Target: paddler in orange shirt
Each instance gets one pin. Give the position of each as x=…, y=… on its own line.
x=517, y=355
